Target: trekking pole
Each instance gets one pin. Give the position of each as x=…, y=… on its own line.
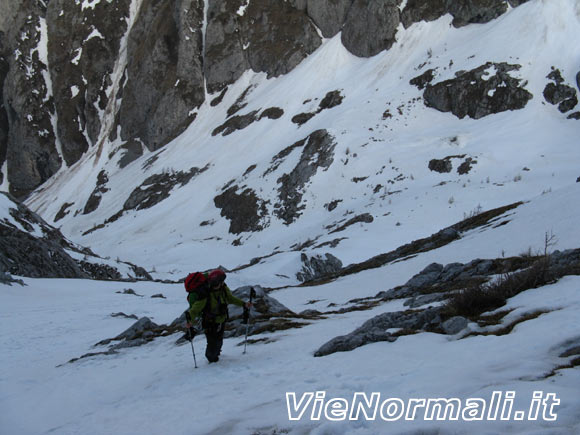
x=193, y=351
x=247, y=319
x=190, y=337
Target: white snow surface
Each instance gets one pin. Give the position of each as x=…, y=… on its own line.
x=530, y=155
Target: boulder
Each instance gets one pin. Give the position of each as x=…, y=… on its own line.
x=454, y=325
x=376, y=329
x=318, y=266
x=478, y=93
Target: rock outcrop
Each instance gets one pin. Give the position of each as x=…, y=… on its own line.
x=77, y=74
x=480, y=92
x=32, y=248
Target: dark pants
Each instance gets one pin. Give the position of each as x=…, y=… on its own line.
x=214, y=333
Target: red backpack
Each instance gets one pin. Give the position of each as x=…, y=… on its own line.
x=196, y=286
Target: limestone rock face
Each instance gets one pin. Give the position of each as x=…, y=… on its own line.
x=265, y=36
x=370, y=27
x=164, y=76
x=28, y=107
x=76, y=74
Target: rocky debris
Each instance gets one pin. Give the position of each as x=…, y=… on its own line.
x=370, y=27
x=424, y=79
x=245, y=210
x=477, y=93
x=317, y=153
x=366, y=218
x=330, y=100
x=158, y=187
x=377, y=329
x=558, y=93
x=95, y=198
x=318, y=266
x=235, y=123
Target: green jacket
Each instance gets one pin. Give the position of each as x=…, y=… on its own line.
x=218, y=300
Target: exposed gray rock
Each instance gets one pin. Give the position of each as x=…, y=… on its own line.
x=440, y=165
x=30, y=145
x=454, y=325
x=328, y=15
x=158, y=187
x=30, y=247
x=318, y=266
x=303, y=118
x=164, y=73
x=270, y=36
x=4, y=126
x=361, y=218
x=83, y=46
x=475, y=11
x=245, y=210
x=426, y=277
x=138, y=329
x=318, y=153
x=423, y=10
x=476, y=93
x=558, y=93
x=370, y=27
x=375, y=330
x=419, y=301
x=424, y=79
x=97, y=194
x=272, y=113
x=235, y=123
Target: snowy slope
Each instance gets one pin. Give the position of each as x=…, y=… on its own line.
x=155, y=389
x=530, y=155
x=519, y=154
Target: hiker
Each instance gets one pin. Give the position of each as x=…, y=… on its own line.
x=213, y=311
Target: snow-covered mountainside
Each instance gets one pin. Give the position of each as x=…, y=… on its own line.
x=371, y=188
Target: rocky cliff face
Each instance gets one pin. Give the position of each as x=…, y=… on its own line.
x=76, y=74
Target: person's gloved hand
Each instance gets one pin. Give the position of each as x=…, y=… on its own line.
x=191, y=332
